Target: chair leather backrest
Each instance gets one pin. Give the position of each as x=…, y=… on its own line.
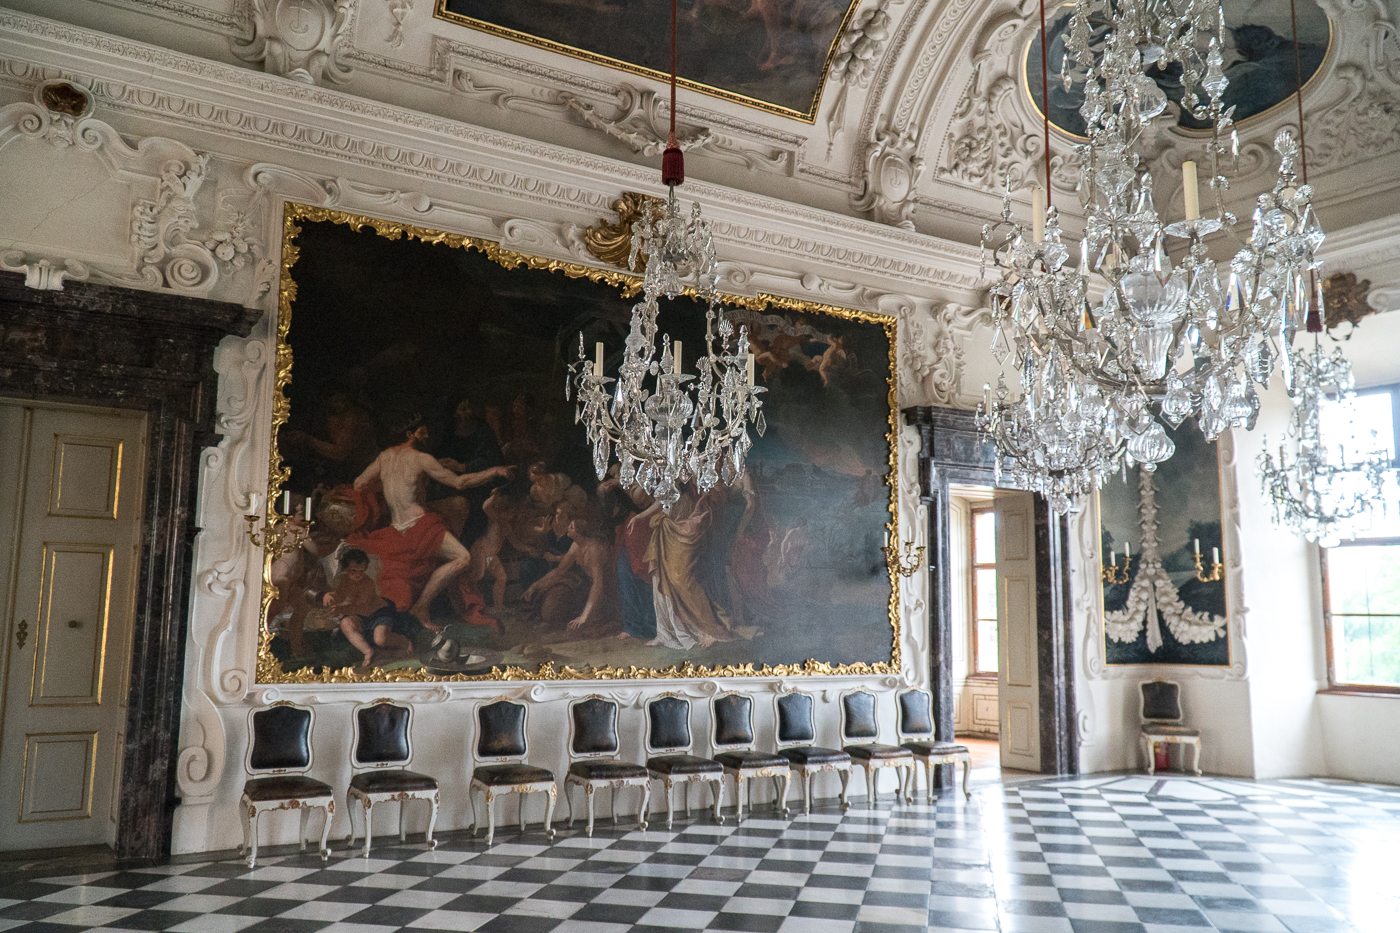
x=383, y=735
x=915, y=713
x=670, y=722
x=795, y=721
x=861, y=722
x=733, y=720
x=1160, y=700
x=502, y=726
x=595, y=727
x=281, y=739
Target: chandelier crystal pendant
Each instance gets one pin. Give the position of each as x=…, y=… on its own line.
x=1314, y=489
x=667, y=427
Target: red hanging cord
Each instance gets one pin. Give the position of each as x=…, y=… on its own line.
x=1045, y=96
x=1314, y=320
x=673, y=160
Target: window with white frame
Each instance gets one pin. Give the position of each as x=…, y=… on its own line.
x=984, y=591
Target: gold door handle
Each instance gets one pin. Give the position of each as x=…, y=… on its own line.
x=21, y=633
x=74, y=623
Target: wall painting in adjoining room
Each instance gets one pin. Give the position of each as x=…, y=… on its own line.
x=1258, y=52
x=770, y=54
x=1159, y=606
x=459, y=350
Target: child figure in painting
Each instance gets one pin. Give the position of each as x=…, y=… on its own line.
x=558, y=591
x=363, y=611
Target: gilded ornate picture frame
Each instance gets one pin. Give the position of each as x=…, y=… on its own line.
x=503, y=557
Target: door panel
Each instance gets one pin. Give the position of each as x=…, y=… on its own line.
x=1018, y=674
x=70, y=506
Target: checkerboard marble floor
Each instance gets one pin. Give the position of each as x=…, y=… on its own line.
x=1096, y=855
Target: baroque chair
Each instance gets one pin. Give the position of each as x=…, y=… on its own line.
x=593, y=749
x=796, y=731
x=732, y=739
x=279, y=755
x=380, y=752
x=1161, y=722
x=668, y=743
x=860, y=731
x=502, y=743
x=915, y=733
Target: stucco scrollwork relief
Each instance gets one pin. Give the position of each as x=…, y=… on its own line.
x=856, y=62
x=302, y=40
x=892, y=171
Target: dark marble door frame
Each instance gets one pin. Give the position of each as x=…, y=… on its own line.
x=151, y=352
x=952, y=450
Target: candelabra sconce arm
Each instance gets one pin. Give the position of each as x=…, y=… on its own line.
x=1216, y=572
x=1115, y=574
x=278, y=534
x=903, y=563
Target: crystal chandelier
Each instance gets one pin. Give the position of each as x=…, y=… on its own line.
x=664, y=431
x=1316, y=491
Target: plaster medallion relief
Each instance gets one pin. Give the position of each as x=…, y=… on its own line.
x=892, y=172
x=642, y=127
x=297, y=39
x=398, y=12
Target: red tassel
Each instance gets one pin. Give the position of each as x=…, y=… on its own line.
x=672, y=166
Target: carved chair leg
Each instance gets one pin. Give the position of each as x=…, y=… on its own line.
x=668, y=784
x=588, y=792
x=432, y=820
x=520, y=804
x=911, y=783
x=928, y=780
x=490, y=818
x=967, y=771
x=569, y=799
x=845, y=783
x=403, y=808
x=368, y=813
x=326, y=833
x=612, y=803
x=549, y=813
x=253, y=849
x=806, y=793
x=738, y=797
x=685, y=794
x=350, y=815
x=247, y=820
x=471, y=796
x=301, y=839
x=870, y=794
x=646, y=804
x=1151, y=756
x=783, y=780
x=716, y=787
x=1197, y=757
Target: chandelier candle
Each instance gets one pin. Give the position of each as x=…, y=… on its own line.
x=1038, y=213
x=1190, y=188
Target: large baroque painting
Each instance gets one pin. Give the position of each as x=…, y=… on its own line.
x=1163, y=559
x=772, y=54
x=459, y=527
x=1259, y=62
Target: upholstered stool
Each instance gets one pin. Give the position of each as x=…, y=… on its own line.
x=502, y=741
x=380, y=753
x=916, y=734
x=668, y=743
x=1161, y=722
x=593, y=748
x=732, y=739
x=796, y=732
x=860, y=729
x=279, y=755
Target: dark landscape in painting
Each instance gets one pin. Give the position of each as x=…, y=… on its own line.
x=772, y=51
x=438, y=353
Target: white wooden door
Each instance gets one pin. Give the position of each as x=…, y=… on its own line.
x=1018, y=682
x=70, y=532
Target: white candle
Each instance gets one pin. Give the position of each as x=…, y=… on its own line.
x=676, y=360
x=598, y=359
x=1198, y=547
x=1215, y=555
x=751, y=369
x=286, y=503
x=1127, y=550
x=307, y=503
x=1038, y=213
x=1189, y=187
x=1113, y=558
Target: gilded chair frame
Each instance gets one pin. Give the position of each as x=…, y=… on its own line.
x=591, y=785
x=741, y=775
x=252, y=810
x=669, y=780
x=368, y=799
x=1151, y=738
x=806, y=771
x=490, y=792
x=956, y=753
x=871, y=767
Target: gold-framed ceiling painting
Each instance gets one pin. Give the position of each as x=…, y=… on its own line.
x=769, y=54
x=459, y=528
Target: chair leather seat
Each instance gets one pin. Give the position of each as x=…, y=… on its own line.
x=607, y=770
x=684, y=764
x=814, y=755
x=497, y=775
x=743, y=761
x=1169, y=728
x=876, y=752
x=936, y=748
x=391, y=781
x=285, y=787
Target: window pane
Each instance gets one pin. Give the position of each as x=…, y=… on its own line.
x=987, y=645
x=1367, y=649
x=984, y=536
x=1364, y=579
x=986, y=584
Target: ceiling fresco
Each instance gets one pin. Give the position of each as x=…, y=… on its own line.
x=769, y=54
x=1259, y=61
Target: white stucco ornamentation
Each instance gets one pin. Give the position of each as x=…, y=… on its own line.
x=297, y=39
x=892, y=172
x=43, y=274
